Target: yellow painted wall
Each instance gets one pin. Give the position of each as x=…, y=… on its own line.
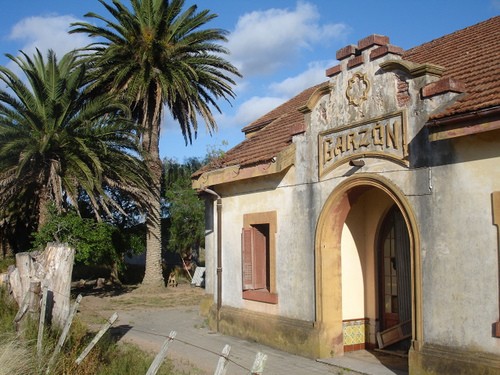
x=359, y=258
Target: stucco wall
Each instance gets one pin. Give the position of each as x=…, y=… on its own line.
x=294, y=245
x=460, y=248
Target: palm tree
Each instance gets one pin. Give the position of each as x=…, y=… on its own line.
x=158, y=55
x=57, y=142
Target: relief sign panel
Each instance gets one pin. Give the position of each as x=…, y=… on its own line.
x=384, y=137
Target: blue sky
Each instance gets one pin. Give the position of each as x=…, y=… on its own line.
x=280, y=46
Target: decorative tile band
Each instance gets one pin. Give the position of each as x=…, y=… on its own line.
x=356, y=331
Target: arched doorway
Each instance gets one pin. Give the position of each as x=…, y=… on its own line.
x=361, y=214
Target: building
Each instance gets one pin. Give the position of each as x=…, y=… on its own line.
x=364, y=212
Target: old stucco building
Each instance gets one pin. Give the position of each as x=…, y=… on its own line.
x=365, y=210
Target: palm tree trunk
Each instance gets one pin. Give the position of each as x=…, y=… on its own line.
x=43, y=206
x=154, y=272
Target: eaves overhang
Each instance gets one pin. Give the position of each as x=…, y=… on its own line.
x=469, y=123
x=278, y=164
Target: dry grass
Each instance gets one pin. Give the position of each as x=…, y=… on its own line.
x=15, y=358
x=18, y=355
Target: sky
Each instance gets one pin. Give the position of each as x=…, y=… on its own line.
x=281, y=47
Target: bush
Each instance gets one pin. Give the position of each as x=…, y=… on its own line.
x=95, y=243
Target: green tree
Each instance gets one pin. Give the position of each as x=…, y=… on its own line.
x=160, y=55
x=184, y=209
x=57, y=142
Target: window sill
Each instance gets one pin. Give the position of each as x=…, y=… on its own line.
x=260, y=296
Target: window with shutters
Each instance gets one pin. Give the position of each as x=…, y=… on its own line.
x=258, y=257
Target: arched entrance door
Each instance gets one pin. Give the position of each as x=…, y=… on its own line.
x=362, y=215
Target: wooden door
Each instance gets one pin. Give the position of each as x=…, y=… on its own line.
x=394, y=271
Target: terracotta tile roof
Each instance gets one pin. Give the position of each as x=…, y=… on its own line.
x=470, y=56
x=269, y=141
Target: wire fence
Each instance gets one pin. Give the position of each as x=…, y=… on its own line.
x=224, y=357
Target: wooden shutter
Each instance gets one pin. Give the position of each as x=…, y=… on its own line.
x=247, y=258
x=254, y=259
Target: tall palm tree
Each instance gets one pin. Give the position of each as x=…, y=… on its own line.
x=57, y=142
x=159, y=55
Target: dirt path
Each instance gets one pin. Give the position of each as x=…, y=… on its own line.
x=146, y=318
x=133, y=303
x=136, y=298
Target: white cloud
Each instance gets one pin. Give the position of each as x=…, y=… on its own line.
x=255, y=107
x=314, y=74
x=264, y=40
x=44, y=33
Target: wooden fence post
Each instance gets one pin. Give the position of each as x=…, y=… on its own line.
x=30, y=308
x=97, y=337
x=153, y=369
x=41, y=322
x=34, y=298
x=30, y=304
x=221, y=365
x=64, y=333
x=258, y=365
x=24, y=263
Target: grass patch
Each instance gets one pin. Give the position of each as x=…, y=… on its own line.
x=6, y=262
x=18, y=353
x=15, y=358
x=8, y=310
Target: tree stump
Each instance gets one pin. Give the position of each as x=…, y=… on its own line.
x=52, y=267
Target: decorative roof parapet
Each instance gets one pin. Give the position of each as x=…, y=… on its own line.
x=346, y=52
x=368, y=49
x=334, y=70
x=385, y=50
x=372, y=40
x=413, y=69
x=442, y=86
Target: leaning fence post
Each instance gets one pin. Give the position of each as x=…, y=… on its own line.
x=41, y=322
x=22, y=309
x=258, y=365
x=64, y=333
x=97, y=337
x=221, y=365
x=161, y=355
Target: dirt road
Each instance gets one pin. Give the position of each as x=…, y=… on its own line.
x=146, y=318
